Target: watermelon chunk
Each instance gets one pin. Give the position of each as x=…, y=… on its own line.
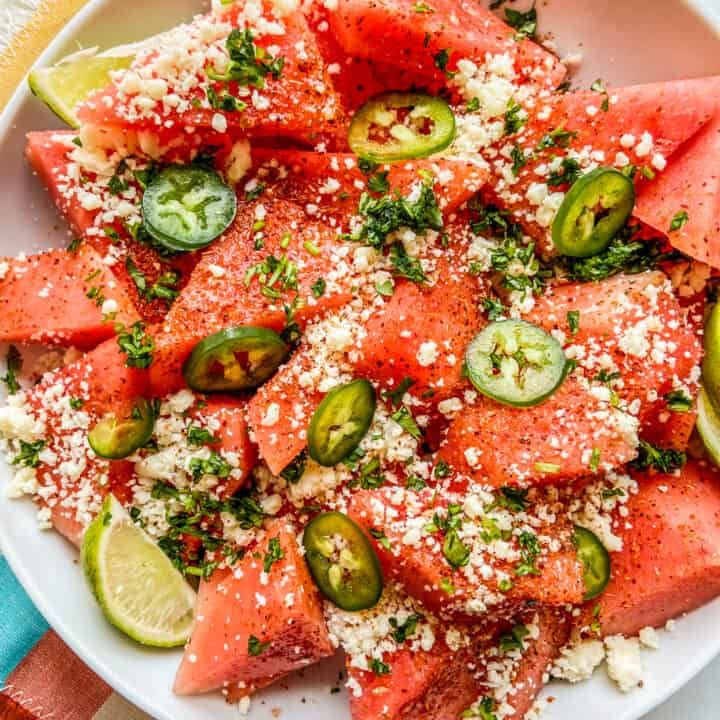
x=225, y=291
x=413, y=556
x=72, y=480
x=392, y=32
x=333, y=183
x=691, y=184
x=554, y=441
x=281, y=442
x=225, y=416
x=398, y=335
x=61, y=298
x=643, y=125
x=49, y=155
x=669, y=563
x=295, y=102
x=633, y=325
x=222, y=652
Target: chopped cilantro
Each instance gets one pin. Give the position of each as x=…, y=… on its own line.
x=402, y=631
x=379, y=182
x=524, y=22
x=511, y=498
x=385, y=288
x=76, y=403
x=136, y=344
x=442, y=469
x=249, y=64
x=447, y=587
x=472, y=105
x=14, y=363
x=197, y=435
x=515, y=117
x=378, y=667
x=414, y=482
x=679, y=219
x=274, y=554
x=117, y=183
x=255, y=192
x=318, y=287
x=255, y=647
x=395, y=396
x=224, y=101
x=441, y=60
x=514, y=639
x=380, y=536
x=215, y=464
x=558, y=137
x=454, y=550
x=678, y=401
x=594, y=459
x=663, y=461
x=29, y=453
x=295, y=470
x=403, y=417
x=529, y=551
x=573, y=321
x=406, y=266
x=571, y=171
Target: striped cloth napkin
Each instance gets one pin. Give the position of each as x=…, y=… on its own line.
x=40, y=677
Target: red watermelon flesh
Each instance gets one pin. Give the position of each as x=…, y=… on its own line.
x=671, y=112
x=281, y=441
x=72, y=479
x=331, y=183
x=49, y=155
x=633, y=325
x=392, y=32
x=691, y=184
x=224, y=291
x=58, y=298
x=435, y=684
x=421, y=333
x=669, y=563
x=421, y=568
x=224, y=415
x=167, y=87
x=547, y=443
x=282, y=609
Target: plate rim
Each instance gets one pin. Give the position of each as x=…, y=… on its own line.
x=707, y=10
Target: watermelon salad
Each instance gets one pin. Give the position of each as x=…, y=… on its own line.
x=376, y=335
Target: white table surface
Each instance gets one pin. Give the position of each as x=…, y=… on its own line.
x=698, y=700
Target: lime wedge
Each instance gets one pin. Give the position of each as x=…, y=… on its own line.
x=711, y=358
x=708, y=425
x=62, y=87
x=138, y=588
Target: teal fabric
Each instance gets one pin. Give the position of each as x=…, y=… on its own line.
x=21, y=625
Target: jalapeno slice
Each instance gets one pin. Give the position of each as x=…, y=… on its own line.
x=595, y=561
x=340, y=422
x=399, y=126
x=342, y=562
x=186, y=207
x=593, y=212
x=115, y=438
x=233, y=359
x=515, y=362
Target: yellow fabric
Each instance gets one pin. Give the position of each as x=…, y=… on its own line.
x=44, y=25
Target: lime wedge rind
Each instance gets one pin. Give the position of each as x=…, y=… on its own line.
x=708, y=425
x=138, y=589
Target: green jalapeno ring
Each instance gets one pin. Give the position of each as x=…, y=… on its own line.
x=234, y=359
x=404, y=140
x=594, y=210
x=342, y=562
x=341, y=421
x=185, y=207
x=595, y=560
x=115, y=438
x=515, y=362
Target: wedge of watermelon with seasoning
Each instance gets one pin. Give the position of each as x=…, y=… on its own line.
x=282, y=437
x=684, y=202
x=254, y=626
x=395, y=32
x=61, y=298
x=670, y=562
x=330, y=184
x=224, y=416
x=421, y=332
x=426, y=575
x=48, y=154
x=225, y=289
x=73, y=480
x=637, y=323
x=435, y=684
x=297, y=101
x=548, y=443
x=643, y=125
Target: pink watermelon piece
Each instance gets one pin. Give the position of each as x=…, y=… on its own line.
x=58, y=298
x=48, y=154
x=643, y=125
x=424, y=572
x=638, y=323
x=287, y=624
x=72, y=479
x=222, y=294
x=548, y=443
x=691, y=185
x=669, y=563
x=298, y=103
x=393, y=32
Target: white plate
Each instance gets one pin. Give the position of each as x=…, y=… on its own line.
x=623, y=41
